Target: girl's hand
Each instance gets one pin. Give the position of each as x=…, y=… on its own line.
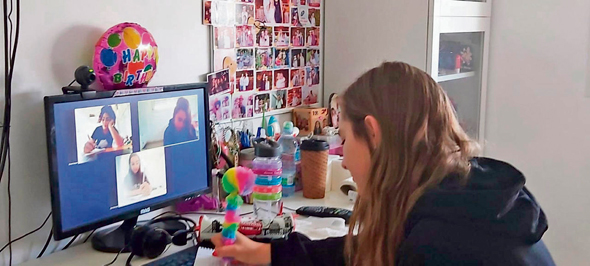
x=146, y=189
x=243, y=250
x=89, y=146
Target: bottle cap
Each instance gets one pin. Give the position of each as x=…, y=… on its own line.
x=288, y=128
x=266, y=148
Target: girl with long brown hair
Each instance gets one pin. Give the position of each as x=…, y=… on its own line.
x=424, y=196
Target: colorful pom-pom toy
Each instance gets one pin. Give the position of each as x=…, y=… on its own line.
x=237, y=181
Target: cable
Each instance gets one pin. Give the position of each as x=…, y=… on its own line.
x=9, y=59
x=116, y=257
x=71, y=241
x=46, y=244
x=88, y=237
x=9, y=211
x=27, y=234
x=128, y=262
x=289, y=209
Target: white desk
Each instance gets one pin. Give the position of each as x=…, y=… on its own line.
x=84, y=255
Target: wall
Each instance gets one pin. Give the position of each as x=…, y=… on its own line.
x=56, y=37
x=538, y=118
x=361, y=35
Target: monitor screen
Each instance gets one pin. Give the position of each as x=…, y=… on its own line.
x=117, y=157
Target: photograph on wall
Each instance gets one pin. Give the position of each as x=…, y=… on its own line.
x=225, y=37
x=281, y=79
x=303, y=15
x=264, y=37
x=169, y=121
x=102, y=129
x=243, y=105
x=295, y=22
x=219, y=107
x=294, y=97
x=264, y=58
x=264, y=80
x=314, y=3
x=245, y=36
x=312, y=75
x=298, y=58
x=285, y=11
x=297, y=37
x=297, y=77
x=281, y=36
x=310, y=94
x=298, y=2
x=225, y=59
x=223, y=13
x=272, y=12
x=261, y=103
x=140, y=176
x=313, y=37
x=207, y=9
x=244, y=14
x=219, y=82
x=281, y=57
x=245, y=59
x=314, y=17
x=245, y=80
x=313, y=57
x=278, y=100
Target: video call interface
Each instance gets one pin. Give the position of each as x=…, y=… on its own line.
x=119, y=154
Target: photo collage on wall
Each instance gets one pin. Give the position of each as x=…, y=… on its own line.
x=266, y=55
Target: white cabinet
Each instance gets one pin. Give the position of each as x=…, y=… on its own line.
x=462, y=8
x=447, y=38
x=458, y=58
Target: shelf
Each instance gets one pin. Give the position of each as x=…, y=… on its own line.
x=455, y=76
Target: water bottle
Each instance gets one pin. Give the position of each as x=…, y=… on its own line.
x=289, y=157
x=267, y=166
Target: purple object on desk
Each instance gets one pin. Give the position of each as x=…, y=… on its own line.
x=200, y=203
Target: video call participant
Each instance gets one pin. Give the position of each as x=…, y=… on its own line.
x=136, y=182
x=180, y=128
x=104, y=135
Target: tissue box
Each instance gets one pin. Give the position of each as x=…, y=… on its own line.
x=310, y=120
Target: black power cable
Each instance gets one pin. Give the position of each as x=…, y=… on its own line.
x=27, y=234
x=46, y=244
x=9, y=59
x=89, y=235
x=71, y=241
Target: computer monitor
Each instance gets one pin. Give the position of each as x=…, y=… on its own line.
x=116, y=155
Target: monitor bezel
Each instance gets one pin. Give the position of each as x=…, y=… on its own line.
x=51, y=101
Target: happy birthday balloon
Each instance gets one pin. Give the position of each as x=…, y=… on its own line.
x=125, y=56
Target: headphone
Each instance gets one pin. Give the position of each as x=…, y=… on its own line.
x=150, y=241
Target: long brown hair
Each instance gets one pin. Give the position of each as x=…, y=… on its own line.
x=422, y=142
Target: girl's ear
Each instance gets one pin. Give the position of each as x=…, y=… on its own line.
x=373, y=131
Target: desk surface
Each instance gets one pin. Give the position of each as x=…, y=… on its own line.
x=83, y=254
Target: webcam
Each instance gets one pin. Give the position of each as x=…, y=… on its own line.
x=85, y=76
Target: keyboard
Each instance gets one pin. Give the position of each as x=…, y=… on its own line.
x=185, y=257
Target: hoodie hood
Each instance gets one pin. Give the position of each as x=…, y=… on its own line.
x=494, y=199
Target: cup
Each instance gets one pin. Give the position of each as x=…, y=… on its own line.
x=314, y=168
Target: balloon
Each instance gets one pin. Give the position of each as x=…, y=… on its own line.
x=125, y=56
x=114, y=40
x=108, y=57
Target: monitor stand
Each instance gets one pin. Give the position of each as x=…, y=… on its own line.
x=115, y=240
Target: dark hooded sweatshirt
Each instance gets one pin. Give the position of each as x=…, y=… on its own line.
x=492, y=220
